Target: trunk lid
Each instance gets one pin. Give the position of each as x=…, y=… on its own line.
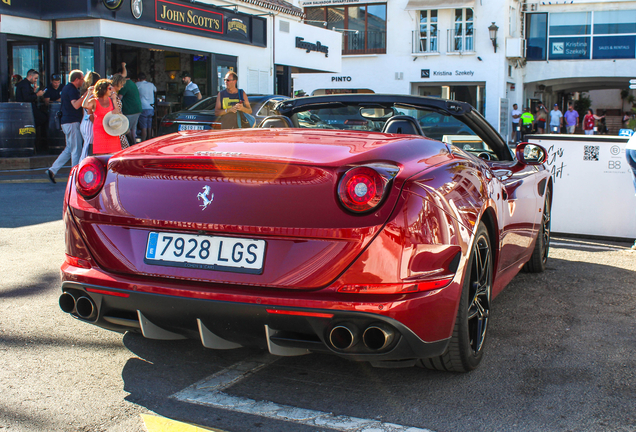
x=257, y=184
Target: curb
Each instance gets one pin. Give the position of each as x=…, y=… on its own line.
x=27, y=163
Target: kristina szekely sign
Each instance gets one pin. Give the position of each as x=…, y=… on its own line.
x=427, y=73
x=308, y=46
x=186, y=16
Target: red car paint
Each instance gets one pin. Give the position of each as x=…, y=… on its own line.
x=281, y=186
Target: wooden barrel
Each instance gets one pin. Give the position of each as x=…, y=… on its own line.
x=55, y=139
x=17, y=129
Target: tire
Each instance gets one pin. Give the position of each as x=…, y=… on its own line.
x=466, y=347
x=541, y=249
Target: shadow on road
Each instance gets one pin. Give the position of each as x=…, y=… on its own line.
x=26, y=204
x=47, y=283
x=559, y=357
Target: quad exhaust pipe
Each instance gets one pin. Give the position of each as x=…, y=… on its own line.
x=375, y=337
x=67, y=303
x=343, y=336
x=84, y=307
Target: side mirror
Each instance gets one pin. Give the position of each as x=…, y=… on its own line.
x=531, y=154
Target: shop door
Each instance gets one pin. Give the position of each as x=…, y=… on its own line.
x=475, y=95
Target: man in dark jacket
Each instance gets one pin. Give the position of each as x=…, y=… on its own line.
x=71, y=104
x=26, y=91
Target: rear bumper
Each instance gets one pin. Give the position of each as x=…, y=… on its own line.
x=278, y=324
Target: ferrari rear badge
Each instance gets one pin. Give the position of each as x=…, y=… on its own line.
x=206, y=197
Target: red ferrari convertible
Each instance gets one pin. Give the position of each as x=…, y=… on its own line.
x=336, y=226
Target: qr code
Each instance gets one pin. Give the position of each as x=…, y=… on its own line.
x=591, y=153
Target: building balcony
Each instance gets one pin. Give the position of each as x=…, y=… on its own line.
x=363, y=42
x=460, y=42
x=425, y=43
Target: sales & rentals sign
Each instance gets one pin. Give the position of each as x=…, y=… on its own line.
x=614, y=47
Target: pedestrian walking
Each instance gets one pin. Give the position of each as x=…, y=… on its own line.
x=540, y=118
x=105, y=102
x=556, y=120
x=86, y=127
x=147, y=93
x=516, y=130
x=589, y=122
x=527, y=120
x=71, y=105
x=571, y=119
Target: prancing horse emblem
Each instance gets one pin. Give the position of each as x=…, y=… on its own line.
x=204, y=196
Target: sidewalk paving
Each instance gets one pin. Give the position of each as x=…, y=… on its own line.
x=31, y=169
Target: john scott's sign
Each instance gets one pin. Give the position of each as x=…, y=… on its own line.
x=185, y=16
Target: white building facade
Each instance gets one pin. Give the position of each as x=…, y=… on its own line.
x=481, y=52
x=425, y=47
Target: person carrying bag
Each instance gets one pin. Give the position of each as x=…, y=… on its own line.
x=233, y=100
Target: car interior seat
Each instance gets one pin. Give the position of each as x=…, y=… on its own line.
x=276, y=121
x=402, y=124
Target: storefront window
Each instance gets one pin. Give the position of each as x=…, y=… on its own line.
x=614, y=22
x=537, y=36
x=363, y=27
x=22, y=57
x=570, y=24
x=26, y=57
x=79, y=57
x=428, y=35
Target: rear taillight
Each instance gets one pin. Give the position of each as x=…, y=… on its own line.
x=362, y=188
x=77, y=262
x=90, y=178
x=166, y=123
x=397, y=288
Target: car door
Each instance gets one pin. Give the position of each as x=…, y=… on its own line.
x=518, y=215
x=519, y=200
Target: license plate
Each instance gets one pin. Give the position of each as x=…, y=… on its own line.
x=203, y=252
x=183, y=127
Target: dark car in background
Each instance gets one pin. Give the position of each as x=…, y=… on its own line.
x=435, y=125
x=200, y=116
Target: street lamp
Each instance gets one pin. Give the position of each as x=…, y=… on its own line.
x=492, y=29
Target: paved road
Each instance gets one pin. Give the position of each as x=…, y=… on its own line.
x=560, y=355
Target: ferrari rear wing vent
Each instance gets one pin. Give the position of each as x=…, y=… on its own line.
x=226, y=169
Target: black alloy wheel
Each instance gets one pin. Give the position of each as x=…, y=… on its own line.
x=539, y=257
x=466, y=347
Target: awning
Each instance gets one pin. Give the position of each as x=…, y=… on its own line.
x=439, y=4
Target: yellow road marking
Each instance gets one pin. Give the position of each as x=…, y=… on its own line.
x=163, y=424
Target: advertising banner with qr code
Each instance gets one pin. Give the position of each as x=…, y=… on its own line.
x=594, y=192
